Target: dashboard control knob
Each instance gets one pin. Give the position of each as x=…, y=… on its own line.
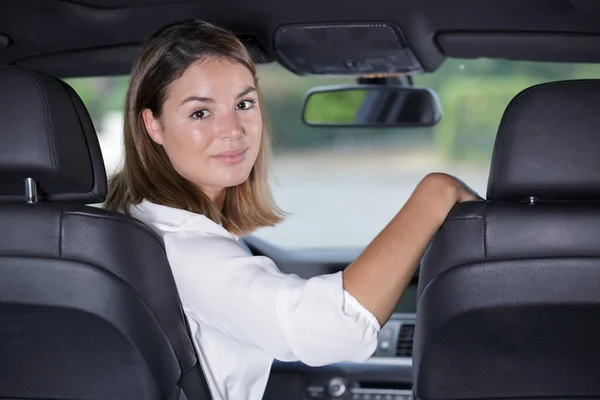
x=337, y=387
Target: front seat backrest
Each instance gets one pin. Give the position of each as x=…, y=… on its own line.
x=509, y=290
x=88, y=305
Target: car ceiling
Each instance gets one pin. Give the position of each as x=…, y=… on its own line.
x=102, y=37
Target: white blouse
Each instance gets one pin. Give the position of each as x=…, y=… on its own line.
x=244, y=312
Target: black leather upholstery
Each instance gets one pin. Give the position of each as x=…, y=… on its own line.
x=509, y=292
x=47, y=135
x=88, y=305
x=548, y=144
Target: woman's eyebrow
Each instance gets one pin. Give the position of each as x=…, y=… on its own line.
x=247, y=91
x=209, y=100
x=197, y=98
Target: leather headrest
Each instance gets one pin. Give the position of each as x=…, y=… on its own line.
x=46, y=134
x=548, y=144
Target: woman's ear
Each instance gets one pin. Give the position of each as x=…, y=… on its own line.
x=153, y=126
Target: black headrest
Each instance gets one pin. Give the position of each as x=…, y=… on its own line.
x=548, y=144
x=46, y=134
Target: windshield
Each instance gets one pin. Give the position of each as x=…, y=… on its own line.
x=341, y=186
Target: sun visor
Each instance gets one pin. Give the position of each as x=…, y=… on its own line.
x=345, y=49
x=527, y=46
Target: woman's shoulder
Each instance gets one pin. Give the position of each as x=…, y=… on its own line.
x=174, y=220
x=194, y=239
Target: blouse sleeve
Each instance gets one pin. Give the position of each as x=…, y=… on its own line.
x=248, y=298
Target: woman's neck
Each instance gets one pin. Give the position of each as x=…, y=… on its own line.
x=219, y=200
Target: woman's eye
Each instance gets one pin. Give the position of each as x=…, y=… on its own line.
x=200, y=114
x=246, y=104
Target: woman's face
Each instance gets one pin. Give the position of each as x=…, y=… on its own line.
x=211, y=125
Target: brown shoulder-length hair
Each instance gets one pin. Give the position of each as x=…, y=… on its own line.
x=147, y=172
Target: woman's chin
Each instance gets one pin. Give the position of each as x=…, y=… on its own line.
x=235, y=180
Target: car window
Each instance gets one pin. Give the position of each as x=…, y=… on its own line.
x=340, y=186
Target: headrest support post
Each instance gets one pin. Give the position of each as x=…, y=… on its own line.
x=31, y=191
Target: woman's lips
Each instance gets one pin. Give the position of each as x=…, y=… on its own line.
x=231, y=157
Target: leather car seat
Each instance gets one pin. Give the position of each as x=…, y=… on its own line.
x=509, y=290
x=88, y=305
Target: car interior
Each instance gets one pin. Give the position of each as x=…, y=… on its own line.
x=504, y=303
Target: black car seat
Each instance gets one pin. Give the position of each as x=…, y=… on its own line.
x=88, y=306
x=509, y=290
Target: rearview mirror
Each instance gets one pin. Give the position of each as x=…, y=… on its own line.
x=372, y=106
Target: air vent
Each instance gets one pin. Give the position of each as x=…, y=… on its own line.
x=405, y=340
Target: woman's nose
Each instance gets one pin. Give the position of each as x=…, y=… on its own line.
x=229, y=127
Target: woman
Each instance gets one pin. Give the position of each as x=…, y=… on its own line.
x=196, y=154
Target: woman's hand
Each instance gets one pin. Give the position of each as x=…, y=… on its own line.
x=464, y=192
x=457, y=190
x=441, y=192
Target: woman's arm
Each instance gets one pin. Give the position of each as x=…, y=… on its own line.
x=381, y=273
x=248, y=298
